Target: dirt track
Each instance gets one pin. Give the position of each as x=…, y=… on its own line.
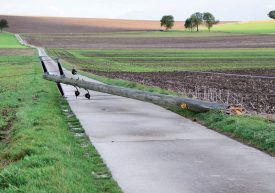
x=255, y=93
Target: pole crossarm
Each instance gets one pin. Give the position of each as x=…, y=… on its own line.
x=158, y=99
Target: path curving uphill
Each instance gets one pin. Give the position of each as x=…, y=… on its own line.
x=152, y=150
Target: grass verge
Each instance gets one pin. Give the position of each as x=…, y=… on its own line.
x=43, y=147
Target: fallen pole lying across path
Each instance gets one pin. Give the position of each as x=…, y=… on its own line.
x=158, y=99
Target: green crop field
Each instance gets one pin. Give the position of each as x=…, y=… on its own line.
x=8, y=40
x=256, y=27
x=152, y=60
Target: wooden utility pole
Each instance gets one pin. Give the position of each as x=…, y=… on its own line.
x=158, y=99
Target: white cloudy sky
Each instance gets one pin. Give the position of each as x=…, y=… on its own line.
x=139, y=9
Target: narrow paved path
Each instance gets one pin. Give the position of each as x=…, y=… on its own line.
x=151, y=150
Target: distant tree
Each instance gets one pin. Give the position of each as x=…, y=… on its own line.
x=3, y=24
x=209, y=20
x=167, y=21
x=188, y=24
x=197, y=19
x=271, y=14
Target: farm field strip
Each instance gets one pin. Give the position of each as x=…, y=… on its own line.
x=139, y=34
x=29, y=24
x=147, y=39
x=256, y=94
x=171, y=60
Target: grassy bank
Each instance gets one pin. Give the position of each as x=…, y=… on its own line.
x=153, y=60
x=251, y=130
x=43, y=148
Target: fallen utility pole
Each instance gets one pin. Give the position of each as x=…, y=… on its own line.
x=158, y=99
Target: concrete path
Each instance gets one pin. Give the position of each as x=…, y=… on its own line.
x=151, y=150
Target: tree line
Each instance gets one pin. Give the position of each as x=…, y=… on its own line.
x=167, y=21
x=197, y=19
x=192, y=22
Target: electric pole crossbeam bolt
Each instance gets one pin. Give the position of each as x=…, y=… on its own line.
x=88, y=96
x=77, y=93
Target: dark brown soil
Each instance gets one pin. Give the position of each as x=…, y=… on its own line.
x=30, y=24
x=24, y=24
x=256, y=94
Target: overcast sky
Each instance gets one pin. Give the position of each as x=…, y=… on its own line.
x=140, y=9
